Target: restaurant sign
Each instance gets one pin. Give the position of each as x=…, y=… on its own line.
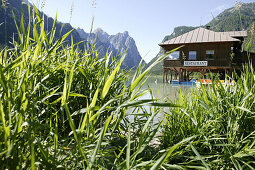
x=195, y=63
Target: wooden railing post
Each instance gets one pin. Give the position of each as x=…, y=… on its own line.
x=163, y=75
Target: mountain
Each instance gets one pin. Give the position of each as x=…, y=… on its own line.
x=17, y=7
x=123, y=41
x=118, y=44
x=102, y=46
x=239, y=17
x=104, y=42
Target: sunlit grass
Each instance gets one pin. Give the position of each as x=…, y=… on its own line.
x=62, y=107
x=223, y=122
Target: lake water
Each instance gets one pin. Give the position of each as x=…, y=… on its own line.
x=166, y=91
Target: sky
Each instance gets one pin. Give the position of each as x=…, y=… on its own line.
x=147, y=21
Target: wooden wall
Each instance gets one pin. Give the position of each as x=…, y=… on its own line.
x=222, y=53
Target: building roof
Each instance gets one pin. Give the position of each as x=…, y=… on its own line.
x=202, y=35
x=235, y=34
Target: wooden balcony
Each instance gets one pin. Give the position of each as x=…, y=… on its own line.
x=211, y=63
x=173, y=63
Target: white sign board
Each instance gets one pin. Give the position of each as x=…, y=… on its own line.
x=195, y=63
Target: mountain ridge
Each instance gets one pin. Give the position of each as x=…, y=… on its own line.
x=103, y=43
x=119, y=43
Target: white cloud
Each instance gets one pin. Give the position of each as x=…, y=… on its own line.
x=220, y=8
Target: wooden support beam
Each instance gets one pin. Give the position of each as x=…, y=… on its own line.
x=185, y=72
x=231, y=72
x=167, y=76
x=163, y=75
x=185, y=75
x=180, y=75
x=203, y=71
x=171, y=72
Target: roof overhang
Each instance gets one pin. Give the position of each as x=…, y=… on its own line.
x=202, y=35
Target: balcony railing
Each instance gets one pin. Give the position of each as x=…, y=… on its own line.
x=211, y=63
x=172, y=63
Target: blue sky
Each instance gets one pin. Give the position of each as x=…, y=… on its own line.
x=147, y=21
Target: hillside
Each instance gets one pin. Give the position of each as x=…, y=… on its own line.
x=17, y=7
x=104, y=42
x=239, y=17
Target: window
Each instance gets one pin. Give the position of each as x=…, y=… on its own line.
x=192, y=55
x=232, y=49
x=174, y=55
x=209, y=54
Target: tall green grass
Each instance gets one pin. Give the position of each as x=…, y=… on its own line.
x=222, y=120
x=64, y=108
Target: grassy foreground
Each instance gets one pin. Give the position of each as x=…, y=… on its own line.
x=63, y=108
x=222, y=121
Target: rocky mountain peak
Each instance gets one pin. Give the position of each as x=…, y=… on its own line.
x=101, y=34
x=103, y=41
x=99, y=30
x=82, y=33
x=118, y=43
x=126, y=33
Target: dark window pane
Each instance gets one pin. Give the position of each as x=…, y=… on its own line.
x=192, y=55
x=209, y=54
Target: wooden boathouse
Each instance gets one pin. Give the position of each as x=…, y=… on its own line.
x=203, y=50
